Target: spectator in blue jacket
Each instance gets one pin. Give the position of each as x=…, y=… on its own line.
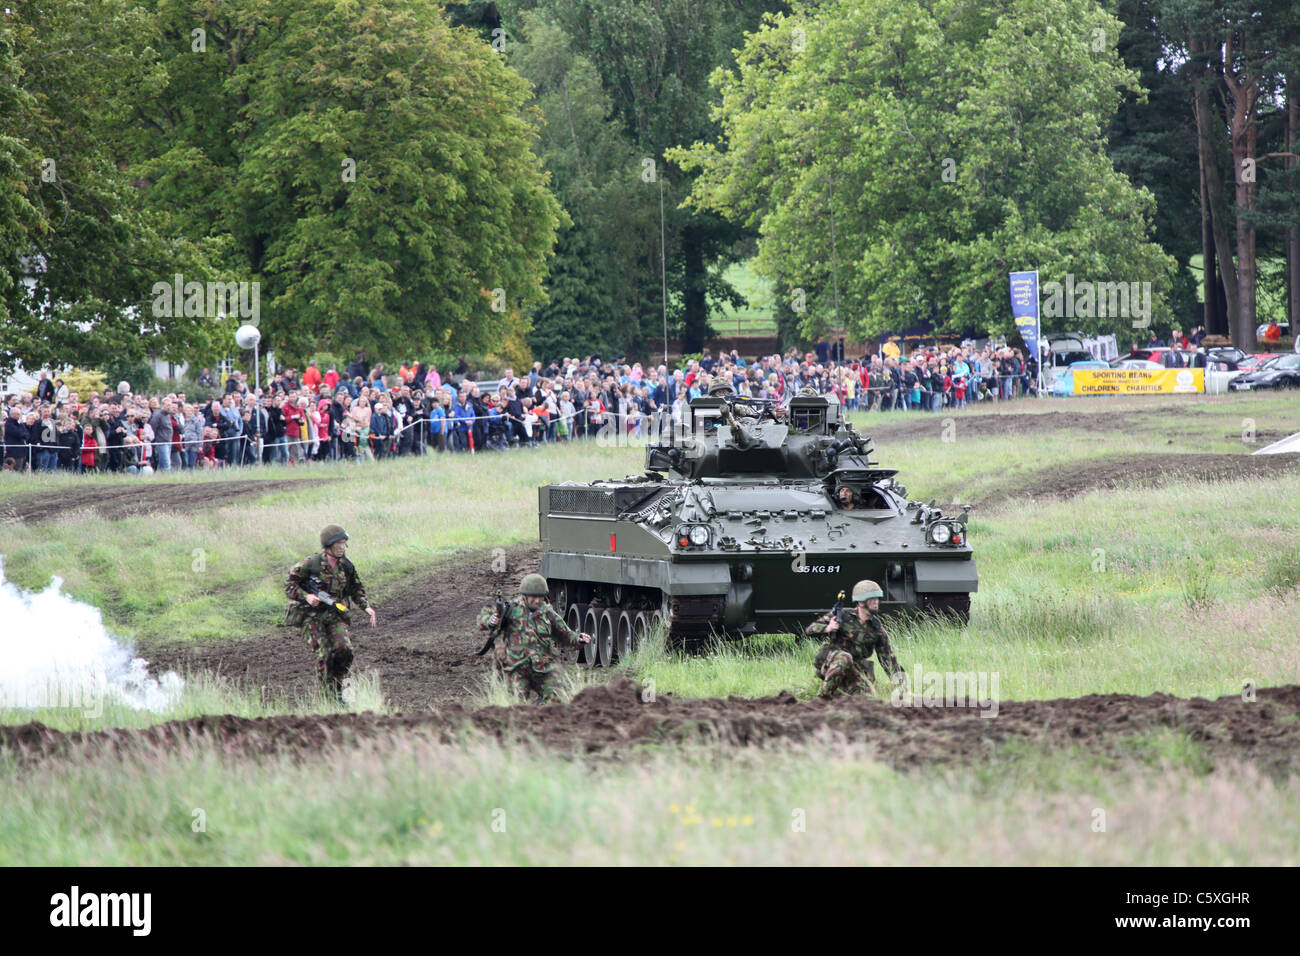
x=437, y=421
x=463, y=421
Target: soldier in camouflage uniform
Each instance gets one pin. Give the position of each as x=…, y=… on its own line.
x=526, y=650
x=843, y=662
x=324, y=625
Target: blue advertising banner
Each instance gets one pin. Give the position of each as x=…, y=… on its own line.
x=1024, y=307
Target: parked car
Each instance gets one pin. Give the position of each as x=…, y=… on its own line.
x=1161, y=357
x=1252, y=363
x=1226, y=359
x=1064, y=384
x=1128, y=363
x=1282, y=372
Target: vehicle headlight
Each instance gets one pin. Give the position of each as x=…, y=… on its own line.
x=699, y=535
x=940, y=532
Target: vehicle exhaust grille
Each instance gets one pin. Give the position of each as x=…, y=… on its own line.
x=582, y=501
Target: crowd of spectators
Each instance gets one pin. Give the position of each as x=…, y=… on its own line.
x=371, y=412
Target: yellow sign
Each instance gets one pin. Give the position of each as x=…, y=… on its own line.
x=1137, y=381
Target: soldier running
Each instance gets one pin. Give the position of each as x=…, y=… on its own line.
x=526, y=651
x=843, y=662
x=324, y=622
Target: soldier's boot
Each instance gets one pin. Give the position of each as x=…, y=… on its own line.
x=340, y=666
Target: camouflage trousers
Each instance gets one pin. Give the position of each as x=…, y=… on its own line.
x=328, y=637
x=841, y=674
x=525, y=681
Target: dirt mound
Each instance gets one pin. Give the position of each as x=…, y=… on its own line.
x=423, y=647
x=1143, y=471
x=151, y=496
x=612, y=719
x=1023, y=421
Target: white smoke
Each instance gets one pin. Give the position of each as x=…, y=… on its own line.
x=55, y=652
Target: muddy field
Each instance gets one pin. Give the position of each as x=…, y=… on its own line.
x=614, y=721
x=1140, y=471
x=1034, y=420
x=424, y=648
x=112, y=502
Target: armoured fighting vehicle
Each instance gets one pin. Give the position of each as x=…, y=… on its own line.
x=742, y=524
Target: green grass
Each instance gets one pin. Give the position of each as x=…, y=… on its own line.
x=415, y=802
x=758, y=316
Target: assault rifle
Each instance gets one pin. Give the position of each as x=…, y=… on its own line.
x=317, y=587
x=503, y=615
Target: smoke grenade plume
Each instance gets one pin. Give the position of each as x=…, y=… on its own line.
x=56, y=652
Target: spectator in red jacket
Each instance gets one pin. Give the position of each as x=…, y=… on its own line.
x=88, y=448
x=311, y=378
x=294, y=420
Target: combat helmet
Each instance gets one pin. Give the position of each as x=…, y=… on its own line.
x=332, y=534
x=533, y=585
x=865, y=590
x=722, y=387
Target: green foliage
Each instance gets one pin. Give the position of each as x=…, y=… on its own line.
x=139, y=374
x=618, y=82
x=686, y=359
x=951, y=143
x=81, y=246
x=371, y=163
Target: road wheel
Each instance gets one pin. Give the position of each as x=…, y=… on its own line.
x=605, y=627
x=560, y=599
x=591, y=624
x=574, y=618
x=640, y=628
x=623, y=641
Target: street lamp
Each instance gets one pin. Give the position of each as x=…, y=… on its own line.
x=247, y=337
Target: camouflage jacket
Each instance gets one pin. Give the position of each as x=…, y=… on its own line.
x=341, y=582
x=530, y=636
x=861, y=639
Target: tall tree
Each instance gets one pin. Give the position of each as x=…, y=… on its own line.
x=653, y=59
x=80, y=251
x=1237, y=53
x=1152, y=141
x=949, y=142
x=372, y=164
